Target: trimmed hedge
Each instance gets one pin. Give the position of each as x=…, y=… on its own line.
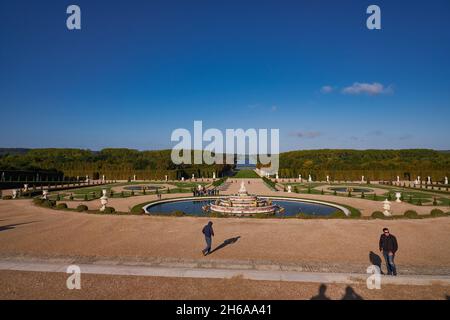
x=378, y=215
x=109, y=210
x=81, y=208
x=7, y=197
x=411, y=214
x=338, y=214
x=61, y=206
x=437, y=213
x=178, y=213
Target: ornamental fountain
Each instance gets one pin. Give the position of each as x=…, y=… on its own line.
x=243, y=204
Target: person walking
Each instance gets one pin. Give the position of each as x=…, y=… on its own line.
x=389, y=246
x=209, y=233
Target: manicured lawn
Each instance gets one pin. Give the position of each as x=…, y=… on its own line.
x=245, y=174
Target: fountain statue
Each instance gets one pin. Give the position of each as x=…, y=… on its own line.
x=242, y=204
x=45, y=194
x=103, y=200
x=328, y=179
x=446, y=180
x=300, y=177
x=15, y=194
x=309, y=178
x=242, y=188
x=214, y=175
x=25, y=187
x=289, y=189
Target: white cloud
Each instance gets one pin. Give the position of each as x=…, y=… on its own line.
x=371, y=89
x=306, y=134
x=326, y=89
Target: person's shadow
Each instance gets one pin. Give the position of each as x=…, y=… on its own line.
x=321, y=295
x=350, y=294
x=226, y=243
x=375, y=260
x=13, y=226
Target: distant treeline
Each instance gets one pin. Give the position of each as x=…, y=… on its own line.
x=121, y=164
x=115, y=164
x=373, y=164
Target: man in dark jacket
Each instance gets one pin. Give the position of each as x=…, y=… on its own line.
x=209, y=233
x=389, y=246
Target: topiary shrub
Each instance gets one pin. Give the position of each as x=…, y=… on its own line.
x=338, y=215
x=81, y=208
x=411, y=214
x=48, y=203
x=377, y=215
x=85, y=197
x=109, y=210
x=178, y=213
x=435, y=202
x=61, y=206
x=335, y=193
x=363, y=195
x=213, y=214
x=419, y=202
x=260, y=215
x=437, y=213
x=38, y=201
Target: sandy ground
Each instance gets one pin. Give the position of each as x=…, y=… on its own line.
x=33, y=231
x=40, y=285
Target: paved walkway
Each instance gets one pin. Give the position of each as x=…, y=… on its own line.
x=113, y=268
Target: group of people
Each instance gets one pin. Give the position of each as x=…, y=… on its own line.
x=388, y=246
x=204, y=192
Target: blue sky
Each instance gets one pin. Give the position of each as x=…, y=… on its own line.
x=139, y=69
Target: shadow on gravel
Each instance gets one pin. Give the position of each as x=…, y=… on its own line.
x=350, y=294
x=13, y=226
x=225, y=243
x=321, y=295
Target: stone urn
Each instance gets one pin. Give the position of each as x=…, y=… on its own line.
x=387, y=208
x=103, y=200
x=398, y=195
x=289, y=189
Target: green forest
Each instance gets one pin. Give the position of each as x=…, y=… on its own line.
x=118, y=164
x=124, y=163
x=373, y=164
